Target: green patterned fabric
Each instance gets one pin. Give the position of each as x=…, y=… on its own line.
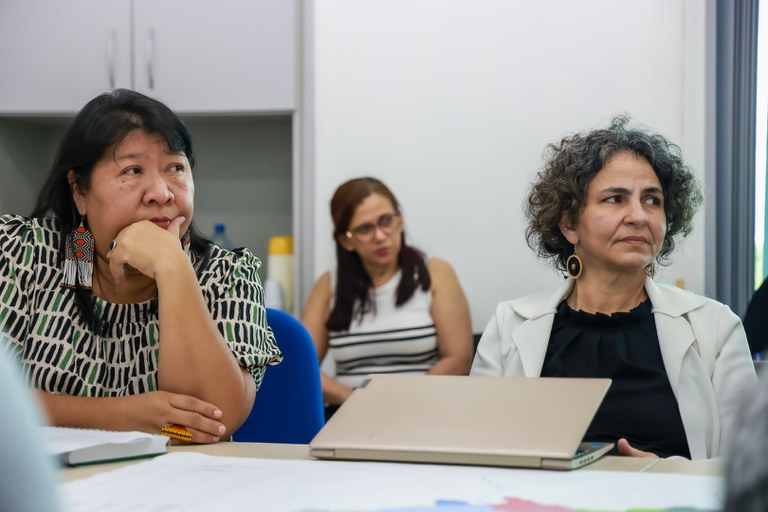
x=59, y=354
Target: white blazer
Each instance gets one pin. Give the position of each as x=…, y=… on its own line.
x=702, y=342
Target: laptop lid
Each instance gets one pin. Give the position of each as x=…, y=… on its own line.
x=498, y=421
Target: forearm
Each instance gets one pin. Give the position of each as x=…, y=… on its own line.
x=145, y=412
x=451, y=365
x=86, y=412
x=194, y=359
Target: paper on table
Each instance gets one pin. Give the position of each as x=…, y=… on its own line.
x=191, y=481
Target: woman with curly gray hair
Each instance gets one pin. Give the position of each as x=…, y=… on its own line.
x=608, y=206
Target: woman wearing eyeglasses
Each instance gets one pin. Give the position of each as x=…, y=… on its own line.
x=387, y=308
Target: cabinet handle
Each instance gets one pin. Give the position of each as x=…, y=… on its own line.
x=150, y=58
x=111, y=40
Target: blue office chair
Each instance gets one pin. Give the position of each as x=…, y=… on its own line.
x=289, y=403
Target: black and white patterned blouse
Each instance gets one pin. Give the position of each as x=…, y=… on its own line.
x=59, y=354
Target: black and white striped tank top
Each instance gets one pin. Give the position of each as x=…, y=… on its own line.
x=389, y=340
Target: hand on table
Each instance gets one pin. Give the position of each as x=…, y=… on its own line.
x=150, y=412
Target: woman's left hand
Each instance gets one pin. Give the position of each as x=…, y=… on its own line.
x=626, y=450
x=143, y=246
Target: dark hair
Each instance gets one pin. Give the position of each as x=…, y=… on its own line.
x=353, y=284
x=96, y=130
x=560, y=188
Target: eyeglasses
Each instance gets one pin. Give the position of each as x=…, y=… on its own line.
x=387, y=223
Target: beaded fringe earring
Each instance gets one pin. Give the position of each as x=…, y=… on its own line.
x=573, y=266
x=651, y=270
x=78, y=258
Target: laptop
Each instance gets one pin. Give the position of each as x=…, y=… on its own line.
x=492, y=421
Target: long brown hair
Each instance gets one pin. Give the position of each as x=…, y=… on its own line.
x=353, y=284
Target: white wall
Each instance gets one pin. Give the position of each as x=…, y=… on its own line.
x=451, y=103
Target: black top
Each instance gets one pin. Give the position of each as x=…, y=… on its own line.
x=639, y=405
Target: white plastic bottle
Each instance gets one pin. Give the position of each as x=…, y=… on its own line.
x=280, y=267
x=220, y=237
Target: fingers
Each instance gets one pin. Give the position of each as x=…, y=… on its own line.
x=196, y=436
x=198, y=416
x=175, y=225
x=176, y=413
x=205, y=436
x=116, y=266
x=627, y=450
x=624, y=447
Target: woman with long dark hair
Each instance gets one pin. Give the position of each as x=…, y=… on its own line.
x=120, y=314
x=387, y=308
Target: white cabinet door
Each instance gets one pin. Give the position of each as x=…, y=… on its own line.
x=55, y=56
x=216, y=56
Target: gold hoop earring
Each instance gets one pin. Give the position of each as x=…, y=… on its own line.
x=573, y=266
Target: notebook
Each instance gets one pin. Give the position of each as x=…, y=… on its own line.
x=494, y=421
x=75, y=446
